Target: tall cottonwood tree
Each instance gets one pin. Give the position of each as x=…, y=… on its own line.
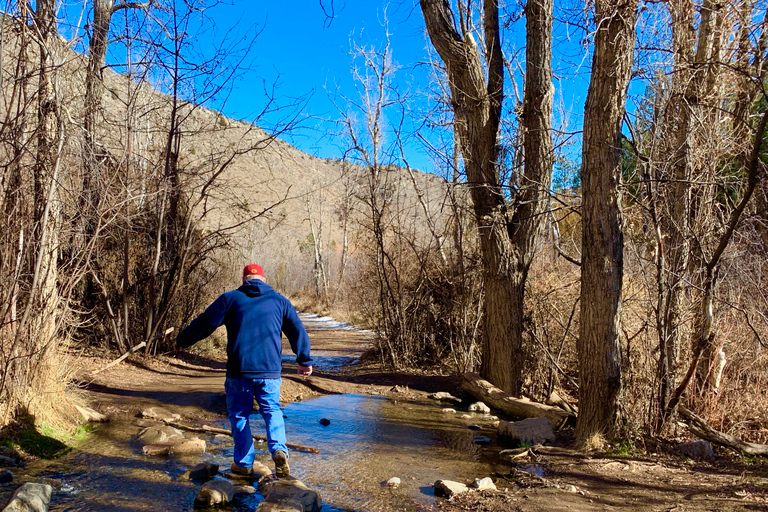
x=507, y=231
x=602, y=261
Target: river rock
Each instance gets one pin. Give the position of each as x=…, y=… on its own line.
x=203, y=472
x=528, y=431
x=287, y=495
x=479, y=407
x=473, y=427
x=482, y=440
x=442, y=396
x=449, y=488
x=160, y=414
x=325, y=422
x=159, y=434
x=484, y=484
x=215, y=493
x=193, y=446
x=30, y=497
x=700, y=449
x=393, y=482
x=6, y=476
x=449, y=410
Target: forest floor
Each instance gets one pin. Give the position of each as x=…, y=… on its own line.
x=658, y=479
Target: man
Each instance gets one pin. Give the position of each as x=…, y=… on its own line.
x=254, y=315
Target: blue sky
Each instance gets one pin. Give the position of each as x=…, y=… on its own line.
x=302, y=61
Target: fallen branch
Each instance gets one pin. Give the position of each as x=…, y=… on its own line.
x=121, y=358
x=702, y=429
x=217, y=430
x=518, y=407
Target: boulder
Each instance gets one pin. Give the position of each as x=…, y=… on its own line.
x=6, y=476
x=287, y=495
x=529, y=431
x=159, y=434
x=202, y=472
x=700, y=450
x=193, y=446
x=160, y=414
x=449, y=488
x=215, y=493
x=30, y=497
x=484, y=484
x=479, y=407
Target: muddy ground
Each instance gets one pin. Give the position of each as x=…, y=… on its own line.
x=657, y=479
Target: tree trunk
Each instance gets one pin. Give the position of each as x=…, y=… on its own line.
x=477, y=112
x=599, y=347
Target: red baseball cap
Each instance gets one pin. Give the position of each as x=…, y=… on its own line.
x=253, y=269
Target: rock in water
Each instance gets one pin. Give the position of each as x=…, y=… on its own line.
x=159, y=434
x=214, y=494
x=482, y=440
x=6, y=476
x=160, y=414
x=479, y=407
x=30, y=497
x=529, y=431
x=287, y=495
x=449, y=488
x=325, y=421
x=701, y=450
x=393, y=482
x=202, y=472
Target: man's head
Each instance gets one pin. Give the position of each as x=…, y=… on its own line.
x=253, y=271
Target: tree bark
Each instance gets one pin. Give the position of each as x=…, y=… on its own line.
x=599, y=346
x=477, y=111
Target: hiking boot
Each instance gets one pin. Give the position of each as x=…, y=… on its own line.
x=282, y=470
x=240, y=470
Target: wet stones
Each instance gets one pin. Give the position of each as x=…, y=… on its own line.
x=192, y=446
x=6, y=476
x=30, y=497
x=287, y=495
x=159, y=434
x=215, y=493
x=449, y=488
x=201, y=472
x=530, y=431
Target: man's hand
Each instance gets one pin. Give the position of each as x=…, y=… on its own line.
x=304, y=370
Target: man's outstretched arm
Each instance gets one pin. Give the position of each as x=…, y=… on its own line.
x=204, y=325
x=297, y=335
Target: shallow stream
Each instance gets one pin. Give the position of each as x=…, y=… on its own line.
x=369, y=440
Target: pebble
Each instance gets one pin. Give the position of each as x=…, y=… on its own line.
x=479, y=407
x=449, y=410
x=393, y=482
x=325, y=421
x=571, y=488
x=481, y=440
x=484, y=484
x=473, y=427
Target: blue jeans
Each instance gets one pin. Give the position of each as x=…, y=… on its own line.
x=240, y=394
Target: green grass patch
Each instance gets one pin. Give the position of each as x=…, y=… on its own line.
x=621, y=450
x=42, y=440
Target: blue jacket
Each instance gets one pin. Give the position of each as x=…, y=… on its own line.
x=254, y=314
